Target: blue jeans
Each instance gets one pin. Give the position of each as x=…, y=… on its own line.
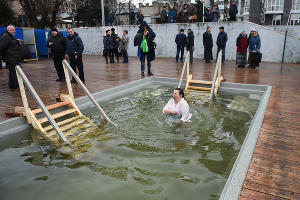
x=143, y=64
x=191, y=56
x=177, y=54
x=125, y=55
x=223, y=53
x=111, y=23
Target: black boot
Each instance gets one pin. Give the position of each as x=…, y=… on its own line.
x=150, y=73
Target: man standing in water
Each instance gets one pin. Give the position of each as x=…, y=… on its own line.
x=177, y=106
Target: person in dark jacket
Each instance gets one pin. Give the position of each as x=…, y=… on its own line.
x=233, y=11
x=207, y=15
x=116, y=42
x=164, y=15
x=140, y=17
x=254, y=49
x=221, y=42
x=172, y=15
x=180, y=41
x=132, y=16
x=108, y=46
x=215, y=14
x=111, y=18
x=145, y=32
x=183, y=14
x=190, y=43
x=74, y=52
x=208, y=45
x=241, y=49
x=10, y=53
x=192, y=10
x=58, y=44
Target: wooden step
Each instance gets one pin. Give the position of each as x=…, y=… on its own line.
x=201, y=82
x=198, y=88
x=61, y=123
x=50, y=107
x=57, y=115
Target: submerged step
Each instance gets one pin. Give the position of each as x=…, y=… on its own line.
x=57, y=115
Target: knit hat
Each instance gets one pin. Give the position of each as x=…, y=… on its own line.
x=54, y=29
x=222, y=27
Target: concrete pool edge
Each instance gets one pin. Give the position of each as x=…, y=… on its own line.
x=238, y=173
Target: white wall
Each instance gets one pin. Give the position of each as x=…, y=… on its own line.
x=272, y=41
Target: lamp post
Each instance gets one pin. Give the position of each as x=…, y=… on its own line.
x=102, y=13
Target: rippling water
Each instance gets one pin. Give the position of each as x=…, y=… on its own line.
x=147, y=156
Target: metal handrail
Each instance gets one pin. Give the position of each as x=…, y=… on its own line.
x=218, y=65
x=187, y=58
x=41, y=104
x=85, y=90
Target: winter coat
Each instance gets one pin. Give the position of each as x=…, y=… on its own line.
x=233, y=10
x=215, y=15
x=59, y=46
x=184, y=16
x=164, y=16
x=241, y=43
x=222, y=39
x=172, y=16
x=74, y=45
x=150, y=41
x=108, y=42
x=207, y=40
x=180, y=40
x=190, y=41
x=192, y=10
x=114, y=39
x=207, y=15
x=124, y=42
x=132, y=16
x=9, y=48
x=254, y=43
x=140, y=17
x=110, y=18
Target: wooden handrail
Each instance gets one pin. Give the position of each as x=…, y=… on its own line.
x=216, y=74
x=187, y=58
x=67, y=67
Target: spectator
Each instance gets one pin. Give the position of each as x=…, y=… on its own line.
x=215, y=14
x=221, y=42
x=10, y=53
x=192, y=13
x=241, y=49
x=180, y=41
x=124, y=46
x=172, y=15
x=207, y=15
x=111, y=18
x=140, y=17
x=164, y=15
x=208, y=45
x=183, y=14
x=58, y=44
x=146, y=46
x=74, y=52
x=132, y=17
x=116, y=41
x=190, y=44
x=233, y=11
x=108, y=46
x=254, y=49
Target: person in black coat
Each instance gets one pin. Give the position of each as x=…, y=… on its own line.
x=58, y=44
x=132, y=17
x=180, y=41
x=108, y=47
x=221, y=42
x=116, y=42
x=10, y=53
x=208, y=45
x=74, y=52
x=190, y=43
x=233, y=11
x=207, y=15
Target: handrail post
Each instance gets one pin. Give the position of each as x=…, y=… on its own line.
x=212, y=92
x=41, y=105
x=188, y=65
x=86, y=91
x=183, y=69
x=68, y=82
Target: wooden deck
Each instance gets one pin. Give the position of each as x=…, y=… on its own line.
x=274, y=172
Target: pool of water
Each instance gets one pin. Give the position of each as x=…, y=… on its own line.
x=148, y=156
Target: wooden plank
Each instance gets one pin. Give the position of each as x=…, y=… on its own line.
x=198, y=88
x=57, y=115
x=51, y=107
x=247, y=194
x=201, y=82
x=61, y=123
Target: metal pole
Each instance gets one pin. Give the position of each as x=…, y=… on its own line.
x=285, y=36
x=22, y=13
x=102, y=13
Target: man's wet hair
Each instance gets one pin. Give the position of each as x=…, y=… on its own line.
x=181, y=92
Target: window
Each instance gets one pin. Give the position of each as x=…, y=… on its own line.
x=274, y=5
x=295, y=19
x=276, y=20
x=296, y=4
x=246, y=6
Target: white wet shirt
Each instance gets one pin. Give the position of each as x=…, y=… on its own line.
x=182, y=108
